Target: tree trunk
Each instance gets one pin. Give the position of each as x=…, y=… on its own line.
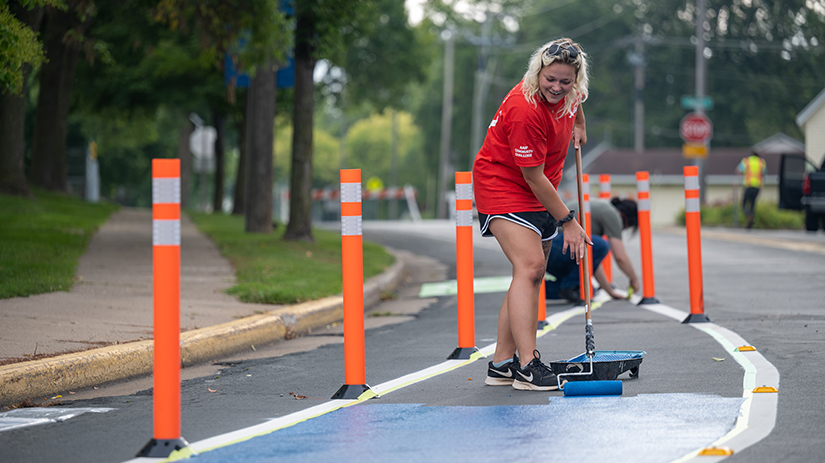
x=48, y=168
x=300, y=201
x=12, y=117
x=12, y=145
x=260, y=143
x=240, y=178
x=220, y=122
x=185, y=157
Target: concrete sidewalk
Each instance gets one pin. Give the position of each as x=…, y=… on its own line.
x=110, y=311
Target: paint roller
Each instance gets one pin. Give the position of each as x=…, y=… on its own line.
x=595, y=386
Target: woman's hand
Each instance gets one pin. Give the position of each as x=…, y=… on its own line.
x=634, y=283
x=579, y=136
x=574, y=239
x=579, y=129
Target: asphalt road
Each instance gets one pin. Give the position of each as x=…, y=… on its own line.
x=770, y=296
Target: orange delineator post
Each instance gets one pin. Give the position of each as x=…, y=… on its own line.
x=643, y=207
x=464, y=266
x=584, y=216
x=352, y=263
x=604, y=193
x=693, y=227
x=166, y=311
x=542, y=318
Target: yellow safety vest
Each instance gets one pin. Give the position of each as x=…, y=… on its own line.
x=754, y=166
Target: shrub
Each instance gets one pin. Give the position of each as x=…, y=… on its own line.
x=767, y=216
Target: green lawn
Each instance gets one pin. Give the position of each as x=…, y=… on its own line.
x=41, y=240
x=270, y=270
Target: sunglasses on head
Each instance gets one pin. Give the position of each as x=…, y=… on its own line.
x=557, y=48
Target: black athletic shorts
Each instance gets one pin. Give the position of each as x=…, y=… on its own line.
x=540, y=222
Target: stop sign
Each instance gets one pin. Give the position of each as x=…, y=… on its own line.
x=696, y=128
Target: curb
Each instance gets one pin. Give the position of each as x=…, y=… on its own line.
x=740, y=237
x=48, y=377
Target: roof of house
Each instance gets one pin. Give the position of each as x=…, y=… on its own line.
x=669, y=161
x=812, y=108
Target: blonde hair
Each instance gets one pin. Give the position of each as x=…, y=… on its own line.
x=541, y=58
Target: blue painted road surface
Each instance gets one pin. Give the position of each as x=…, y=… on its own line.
x=667, y=426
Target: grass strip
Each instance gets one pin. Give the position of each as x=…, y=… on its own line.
x=42, y=239
x=270, y=270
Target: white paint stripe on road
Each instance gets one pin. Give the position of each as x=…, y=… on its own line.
x=273, y=425
x=758, y=411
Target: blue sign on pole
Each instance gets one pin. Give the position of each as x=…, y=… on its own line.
x=284, y=77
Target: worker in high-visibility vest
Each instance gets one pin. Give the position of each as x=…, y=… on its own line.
x=753, y=170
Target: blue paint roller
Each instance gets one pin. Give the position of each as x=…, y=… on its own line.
x=594, y=387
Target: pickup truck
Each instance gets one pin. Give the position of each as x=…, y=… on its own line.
x=802, y=187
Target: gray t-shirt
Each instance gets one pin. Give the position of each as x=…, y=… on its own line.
x=604, y=218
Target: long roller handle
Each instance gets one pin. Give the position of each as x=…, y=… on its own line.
x=589, y=339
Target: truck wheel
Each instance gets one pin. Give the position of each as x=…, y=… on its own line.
x=812, y=221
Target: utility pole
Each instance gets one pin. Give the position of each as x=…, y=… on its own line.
x=393, y=205
x=446, y=123
x=700, y=87
x=638, y=61
x=479, y=92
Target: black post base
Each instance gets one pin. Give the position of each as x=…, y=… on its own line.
x=697, y=318
x=462, y=353
x=542, y=324
x=350, y=392
x=648, y=300
x=162, y=448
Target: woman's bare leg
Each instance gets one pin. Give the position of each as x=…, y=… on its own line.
x=518, y=317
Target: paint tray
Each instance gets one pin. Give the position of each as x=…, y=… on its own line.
x=607, y=365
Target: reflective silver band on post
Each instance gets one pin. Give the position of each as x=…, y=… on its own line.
x=643, y=185
x=350, y=192
x=586, y=207
x=692, y=205
x=166, y=190
x=691, y=183
x=165, y=232
x=351, y=225
x=464, y=191
x=464, y=218
x=643, y=204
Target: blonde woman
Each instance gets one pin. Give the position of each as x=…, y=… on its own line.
x=515, y=176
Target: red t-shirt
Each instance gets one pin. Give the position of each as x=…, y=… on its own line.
x=520, y=135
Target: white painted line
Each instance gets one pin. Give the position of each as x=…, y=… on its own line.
x=275, y=424
x=758, y=411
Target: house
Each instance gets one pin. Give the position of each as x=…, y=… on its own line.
x=722, y=184
x=812, y=122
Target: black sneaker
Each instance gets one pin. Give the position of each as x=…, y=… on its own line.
x=503, y=376
x=535, y=376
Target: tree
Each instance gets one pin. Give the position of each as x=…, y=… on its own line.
x=318, y=33
x=381, y=57
x=65, y=31
x=260, y=150
x=169, y=59
x=19, y=47
x=20, y=25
